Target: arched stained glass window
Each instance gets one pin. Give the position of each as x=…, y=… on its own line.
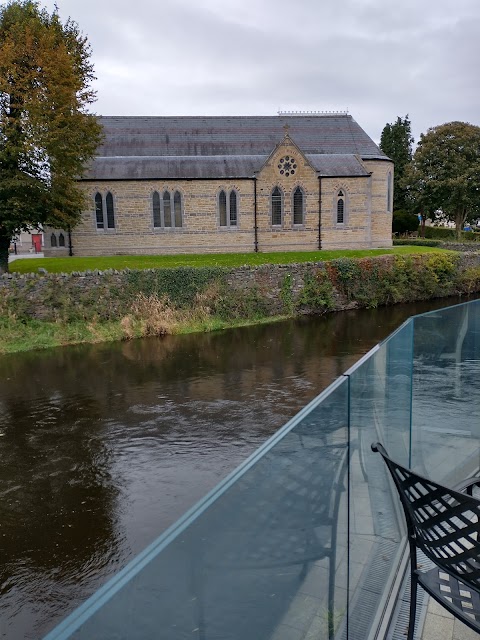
x=177, y=207
x=167, y=209
x=340, y=207
x=104, y=211
x=298, y=206
x=340, y=210
x=53, y=240
x=157, y=215
x=228, y=208
x=233, y=209
x=277, y=206
x=222, y=208
x=99, y=211
x=61, y=240
x=110, y=211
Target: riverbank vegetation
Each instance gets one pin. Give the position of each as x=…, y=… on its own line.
x=38, y=311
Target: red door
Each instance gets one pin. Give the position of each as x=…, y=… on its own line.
x=37, y=242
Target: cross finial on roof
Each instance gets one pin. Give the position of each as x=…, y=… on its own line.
x=286, y=128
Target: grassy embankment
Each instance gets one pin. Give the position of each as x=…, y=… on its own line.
x=68, y=265
x=164, y=294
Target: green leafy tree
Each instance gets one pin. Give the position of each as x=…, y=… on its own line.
x=396, y=142
x=46, y=134
x=445, y=173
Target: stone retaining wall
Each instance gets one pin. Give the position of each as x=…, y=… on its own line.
x=110, y=293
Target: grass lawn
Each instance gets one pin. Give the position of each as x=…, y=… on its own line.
x=67, y=265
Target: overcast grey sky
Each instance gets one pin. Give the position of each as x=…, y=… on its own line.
x=377, y=58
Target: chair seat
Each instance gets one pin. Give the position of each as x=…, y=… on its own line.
x=460, y=600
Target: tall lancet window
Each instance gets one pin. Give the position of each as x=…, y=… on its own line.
x=277, y=206
x=298, y=204
x=228, y=208
x=340, y=207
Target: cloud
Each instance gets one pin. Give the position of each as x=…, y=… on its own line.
x=379, y=58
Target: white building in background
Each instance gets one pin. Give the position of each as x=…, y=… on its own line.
x=27, y=242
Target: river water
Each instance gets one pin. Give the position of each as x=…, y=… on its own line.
x=104, y=446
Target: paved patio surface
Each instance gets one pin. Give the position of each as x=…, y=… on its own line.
x=441, y=625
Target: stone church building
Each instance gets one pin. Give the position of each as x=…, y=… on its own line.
x=218, y=184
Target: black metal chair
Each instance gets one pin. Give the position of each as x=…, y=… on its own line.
x=443, y=523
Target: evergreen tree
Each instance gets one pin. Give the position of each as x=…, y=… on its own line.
x=396, y=142
x=46, y=134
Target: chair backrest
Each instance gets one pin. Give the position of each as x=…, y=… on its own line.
x=442, y=522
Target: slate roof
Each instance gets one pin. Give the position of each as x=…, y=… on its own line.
x=225, y=147
x=155, y=167
x=337, y=164
x=209, y=167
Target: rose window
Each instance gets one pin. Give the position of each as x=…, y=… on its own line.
x=287, y=166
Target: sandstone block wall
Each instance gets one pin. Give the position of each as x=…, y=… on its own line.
x=367, y=221
x=287, y=236
x=381, y=211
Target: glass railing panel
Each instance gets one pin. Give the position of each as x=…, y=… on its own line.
x=446, y=393
x=380, y=400
x=263, y=556
x=309, y=530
